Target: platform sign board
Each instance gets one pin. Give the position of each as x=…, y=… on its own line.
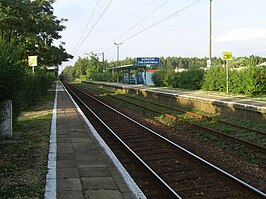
x=152, y=61
x=227, y=56
x=32, y=60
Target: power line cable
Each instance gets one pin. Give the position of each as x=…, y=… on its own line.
x=162, y=20
x=143, y=19
x=94, y=25
x=86, y=26
x=147, y=16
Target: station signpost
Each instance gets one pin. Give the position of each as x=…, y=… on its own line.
x=147, y=62
x=32, y=61
x=227, y=56
x=155, y=61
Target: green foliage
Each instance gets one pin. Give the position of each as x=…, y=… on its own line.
x=16, y=80
x=182, y=62
x=69, y=73
x=12, y=74
x=126, y=61
x=191, y=79
x=162, y=78
x=37, y=86
x=85, y=67
x=93, y=66
x=33, y=23
x=249, y=81
x=214, y=79
x=106, y=76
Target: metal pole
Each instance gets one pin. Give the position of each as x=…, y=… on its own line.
x=227, y=81
x=117, y=50
x=117, y=57
x=210, y=44
x=103, y=56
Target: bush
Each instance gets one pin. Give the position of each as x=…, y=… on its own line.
x=162, y=78
x=37, y=86
x=175, y=80
x=16, y=80
x=215, y=79
x=12, y=74
x=106, y=76
x=191, y=79
x=250, y=81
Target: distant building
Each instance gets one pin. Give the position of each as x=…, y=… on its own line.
x=179, y=70
x=262, y=64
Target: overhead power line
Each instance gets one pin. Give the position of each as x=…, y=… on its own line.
x=86, y=26
x=94, y=25
x=162, y=20
x=139, y=22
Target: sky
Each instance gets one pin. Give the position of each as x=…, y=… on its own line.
x=167, y=28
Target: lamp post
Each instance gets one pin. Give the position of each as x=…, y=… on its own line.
x=117, y=49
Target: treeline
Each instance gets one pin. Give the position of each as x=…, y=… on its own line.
x=194, y=62
x=249, y=81
x=92, y=68
x=28, y=28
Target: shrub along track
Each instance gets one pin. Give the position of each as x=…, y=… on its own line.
x=185, y=174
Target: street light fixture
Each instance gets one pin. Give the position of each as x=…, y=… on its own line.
x=117, y=49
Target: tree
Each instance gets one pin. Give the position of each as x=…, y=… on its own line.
x=32, y=22
x=93, y=67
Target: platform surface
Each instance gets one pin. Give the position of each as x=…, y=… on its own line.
x=83, y=169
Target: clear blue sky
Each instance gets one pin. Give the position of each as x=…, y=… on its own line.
x=238, y=26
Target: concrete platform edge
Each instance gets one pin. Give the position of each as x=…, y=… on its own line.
x=128, y=180
x=50, y=187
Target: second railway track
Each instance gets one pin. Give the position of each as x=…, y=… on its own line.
x=181, y=173
x=243, y=139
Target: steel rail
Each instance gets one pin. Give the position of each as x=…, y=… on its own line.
x=123, y=143
x=195, y=115
x=181, y=148
x=211, y=130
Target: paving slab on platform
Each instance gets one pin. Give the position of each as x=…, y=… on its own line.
x=83, y=170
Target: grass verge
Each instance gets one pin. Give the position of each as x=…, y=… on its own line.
x=23, y=163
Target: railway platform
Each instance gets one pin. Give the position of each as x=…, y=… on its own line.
x=237, y=106
x=80, y=165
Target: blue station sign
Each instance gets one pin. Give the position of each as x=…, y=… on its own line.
x=148, y=61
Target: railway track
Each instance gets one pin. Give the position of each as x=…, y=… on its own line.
x=143, y=104
x=161, y=168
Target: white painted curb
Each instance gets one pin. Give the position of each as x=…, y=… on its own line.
x=50, y=187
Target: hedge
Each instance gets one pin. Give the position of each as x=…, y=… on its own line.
x=249, y=81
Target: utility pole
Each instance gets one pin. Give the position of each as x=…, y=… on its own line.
x=209, y=64
x=101, y=54
x=117, y=50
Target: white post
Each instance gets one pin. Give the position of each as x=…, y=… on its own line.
x=6, y=128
